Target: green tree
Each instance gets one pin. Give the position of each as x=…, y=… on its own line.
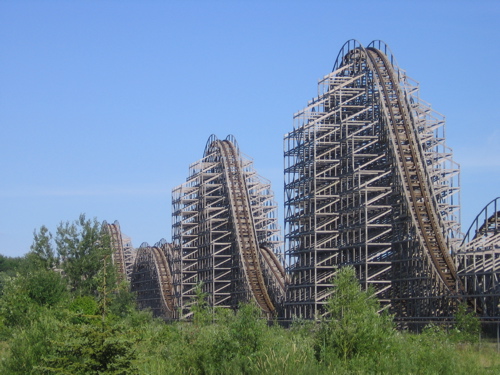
x=30, y=344
x=42, y=253
x=9, y=268
x=467, y=324
x=248, y=329
x=17, y=309
x=24, y=296
x=46, y=287
x=82, y=247
x=354, y=324
x=202, y=312
x=11, y=265
x=102, y=346
x=92, y=349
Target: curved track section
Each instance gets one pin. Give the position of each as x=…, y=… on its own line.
x=123, y=251
x=152, y=279
x=226, y=233
x=479, y=260
x=275, y=276
x=485, y=229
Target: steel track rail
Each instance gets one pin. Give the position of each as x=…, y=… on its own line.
x=416, y=185
x=244, y=226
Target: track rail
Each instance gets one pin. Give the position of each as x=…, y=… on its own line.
x=412, y=167
x=152, y=280
x=276, y=268
x=118, y=254
x=244, y=227
x=165, y=279
x=485, y=229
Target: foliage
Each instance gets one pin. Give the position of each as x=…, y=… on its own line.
x=42, y=254
x=11, y=265
x=17, y=309
x=84, y=308
x=29, y=344
x=467, y=325
x=354, y=324
x=247, y=329
x=99, y=345
x=9, y=268
x=25, y=296
x=82, y=246
x=122, y=303
x=91, y=349
x=45, y=287
x=202, y=313
x=82, y=323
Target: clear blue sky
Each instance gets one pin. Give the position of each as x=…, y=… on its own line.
x=104, y=104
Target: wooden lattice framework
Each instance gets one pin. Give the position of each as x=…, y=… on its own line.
x=369, y=182
x=478, y=261
x=225, y=232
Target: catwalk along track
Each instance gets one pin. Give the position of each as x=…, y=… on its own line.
x=371, y=183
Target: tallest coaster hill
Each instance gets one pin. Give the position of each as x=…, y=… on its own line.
x=370, y=182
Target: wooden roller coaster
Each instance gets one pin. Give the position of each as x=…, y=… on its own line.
x=226, y=239
x=123, y=251
x=369, y=182
x=244, y=227
x=152, y=279
x=412, y=168
x=478, y=261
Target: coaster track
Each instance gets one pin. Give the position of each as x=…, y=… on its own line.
x=123, y=252
x=478, y=261
x=370, y=183
x=244, y=226
x=152, y=279
x=224, y=238
x=411, y=165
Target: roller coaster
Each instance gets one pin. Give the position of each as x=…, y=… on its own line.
x=478, y=260
x=225, y=232
x=369, y=183
x=123, y=251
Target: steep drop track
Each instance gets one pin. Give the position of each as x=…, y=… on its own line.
x=244, y=226
x=119, y=258
x=412, y=167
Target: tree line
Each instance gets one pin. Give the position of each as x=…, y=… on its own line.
x=62, y=312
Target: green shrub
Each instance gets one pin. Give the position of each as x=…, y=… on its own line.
x=46, y=287
x=354, y=324
x=84, y=308
x=17, y=308
x=92, y=349
x=467, y=325
x=29, y=344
